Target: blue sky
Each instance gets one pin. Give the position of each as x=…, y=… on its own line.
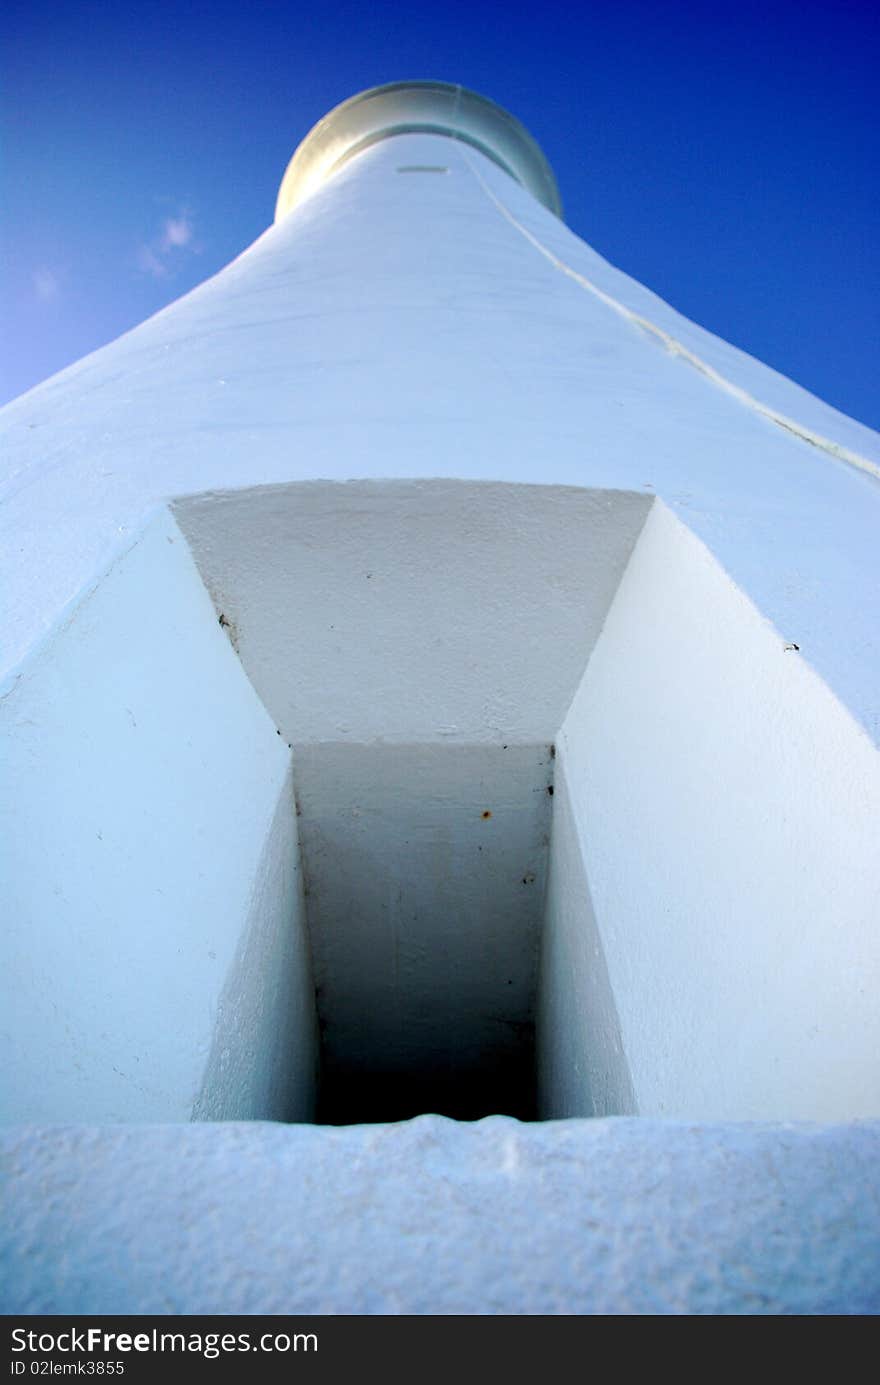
x=725, y=155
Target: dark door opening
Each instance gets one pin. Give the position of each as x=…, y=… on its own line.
x=424, y=869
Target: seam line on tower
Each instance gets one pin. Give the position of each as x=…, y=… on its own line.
x=677, y=348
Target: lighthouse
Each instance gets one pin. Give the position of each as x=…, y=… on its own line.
x=440, y=783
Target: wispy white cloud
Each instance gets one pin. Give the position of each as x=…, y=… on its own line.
x=177, y=231
x=159, y=256
x=46, y=285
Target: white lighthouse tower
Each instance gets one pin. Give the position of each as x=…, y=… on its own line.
x=440, y=726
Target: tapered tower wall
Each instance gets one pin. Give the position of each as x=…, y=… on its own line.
x=428, y=656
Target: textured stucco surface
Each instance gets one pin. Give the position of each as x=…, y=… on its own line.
x=482, y=601
x=431, y=1216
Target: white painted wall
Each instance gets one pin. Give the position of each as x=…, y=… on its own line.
x=414, y=611
x=418, y=642
x=153, y=942
x=263, y=1062
x=709, y=944
x=725, y=808
x=581, y=1067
